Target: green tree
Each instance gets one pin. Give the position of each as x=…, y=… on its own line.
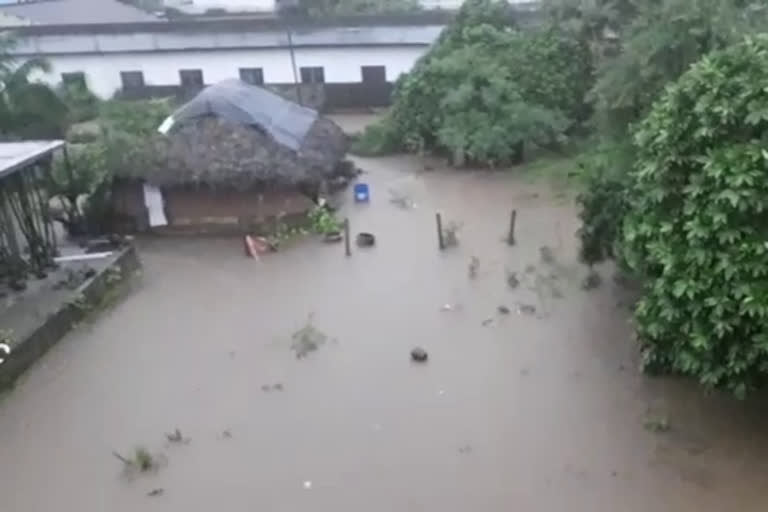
x=696, y=227
x=324, y=8
x=28, y=109
x=486, y=90
x=659, y=41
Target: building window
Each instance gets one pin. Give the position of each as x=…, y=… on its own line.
x=313, y=75
x=253, y=76
x=374, y=74
x=191, y=77
x=76, y=78
x=132, y=79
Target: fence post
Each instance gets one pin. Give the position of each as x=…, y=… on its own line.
x=511, y=236
x=440, y=240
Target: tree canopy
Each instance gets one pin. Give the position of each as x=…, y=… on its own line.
x=696, y=227
x=486, y=90
x=28, y=109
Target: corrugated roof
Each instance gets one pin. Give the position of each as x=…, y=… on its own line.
x=17, y=155
x=76, y=12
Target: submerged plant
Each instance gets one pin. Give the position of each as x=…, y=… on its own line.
x=307, y=339
x=323, y=221
x=141, y=459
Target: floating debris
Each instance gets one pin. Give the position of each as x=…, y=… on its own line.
x=465, y=449
x=277, y=387
x=512, y=280
x=530, y=269
x=177, y=437
x=450, y=307
x=156, y=492
x=474, y=267
x=419, y=355
x=503, y=310
x=308, y=484
x=366, y=240
x=141, y=460
x=226, y=434
x=307, y=339
x=592, y=281
x=451, y=234
x=547, y=255
x=526, y=309
x=401, y=199
x=487, y=322
x=658, y=425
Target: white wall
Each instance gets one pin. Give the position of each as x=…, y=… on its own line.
x=162, y=68
x=200, y=6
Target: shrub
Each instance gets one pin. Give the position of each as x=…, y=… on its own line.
x=78, y=185
x=603, y=201
x=695, y=230
x=485, y=91
x=83, y=105
x=135, y=117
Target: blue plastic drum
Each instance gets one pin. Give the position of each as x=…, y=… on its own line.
x=362, y=193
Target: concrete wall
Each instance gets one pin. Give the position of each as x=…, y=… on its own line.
x=341, y=65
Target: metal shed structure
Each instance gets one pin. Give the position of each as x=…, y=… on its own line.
x=27, y=237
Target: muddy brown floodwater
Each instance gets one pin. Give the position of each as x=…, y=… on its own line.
x=529, y=412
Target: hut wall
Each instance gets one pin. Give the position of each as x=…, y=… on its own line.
x=204, y=210
x=205, y=207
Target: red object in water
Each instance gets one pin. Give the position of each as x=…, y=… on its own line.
x=255, y=246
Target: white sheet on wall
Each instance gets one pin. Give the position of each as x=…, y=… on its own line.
x=153, y=200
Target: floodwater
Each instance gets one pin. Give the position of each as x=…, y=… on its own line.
x=530, y=412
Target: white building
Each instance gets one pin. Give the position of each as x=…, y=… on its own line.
x=117, y=49
x=201, y=6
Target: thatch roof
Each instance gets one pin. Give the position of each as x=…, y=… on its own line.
x=246, y=140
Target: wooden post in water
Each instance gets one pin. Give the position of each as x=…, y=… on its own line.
x=440, y=241
x=511, y=236
x=347, y=247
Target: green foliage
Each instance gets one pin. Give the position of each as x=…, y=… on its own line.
x=323, y=221
x=82, y=185
x=695, y=230
x=486, y=90
x=603, y=201
x=28, y=109
x=659, y=42
x=325, y=8
x=377, y=139
x=82, y=103
x=140, y=118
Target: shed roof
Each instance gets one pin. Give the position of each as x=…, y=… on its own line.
x=17, y=155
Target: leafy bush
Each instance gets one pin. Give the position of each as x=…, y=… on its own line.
x=603, y=201
x=696, y=226
x=82, y=103
x=135, y=117
x=79, y=184
x=377, y=139
x=485, y=91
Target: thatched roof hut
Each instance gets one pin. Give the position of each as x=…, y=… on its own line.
x=232, y=158
x=238, y=136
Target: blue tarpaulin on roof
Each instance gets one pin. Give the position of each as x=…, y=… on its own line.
x=234, y=100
